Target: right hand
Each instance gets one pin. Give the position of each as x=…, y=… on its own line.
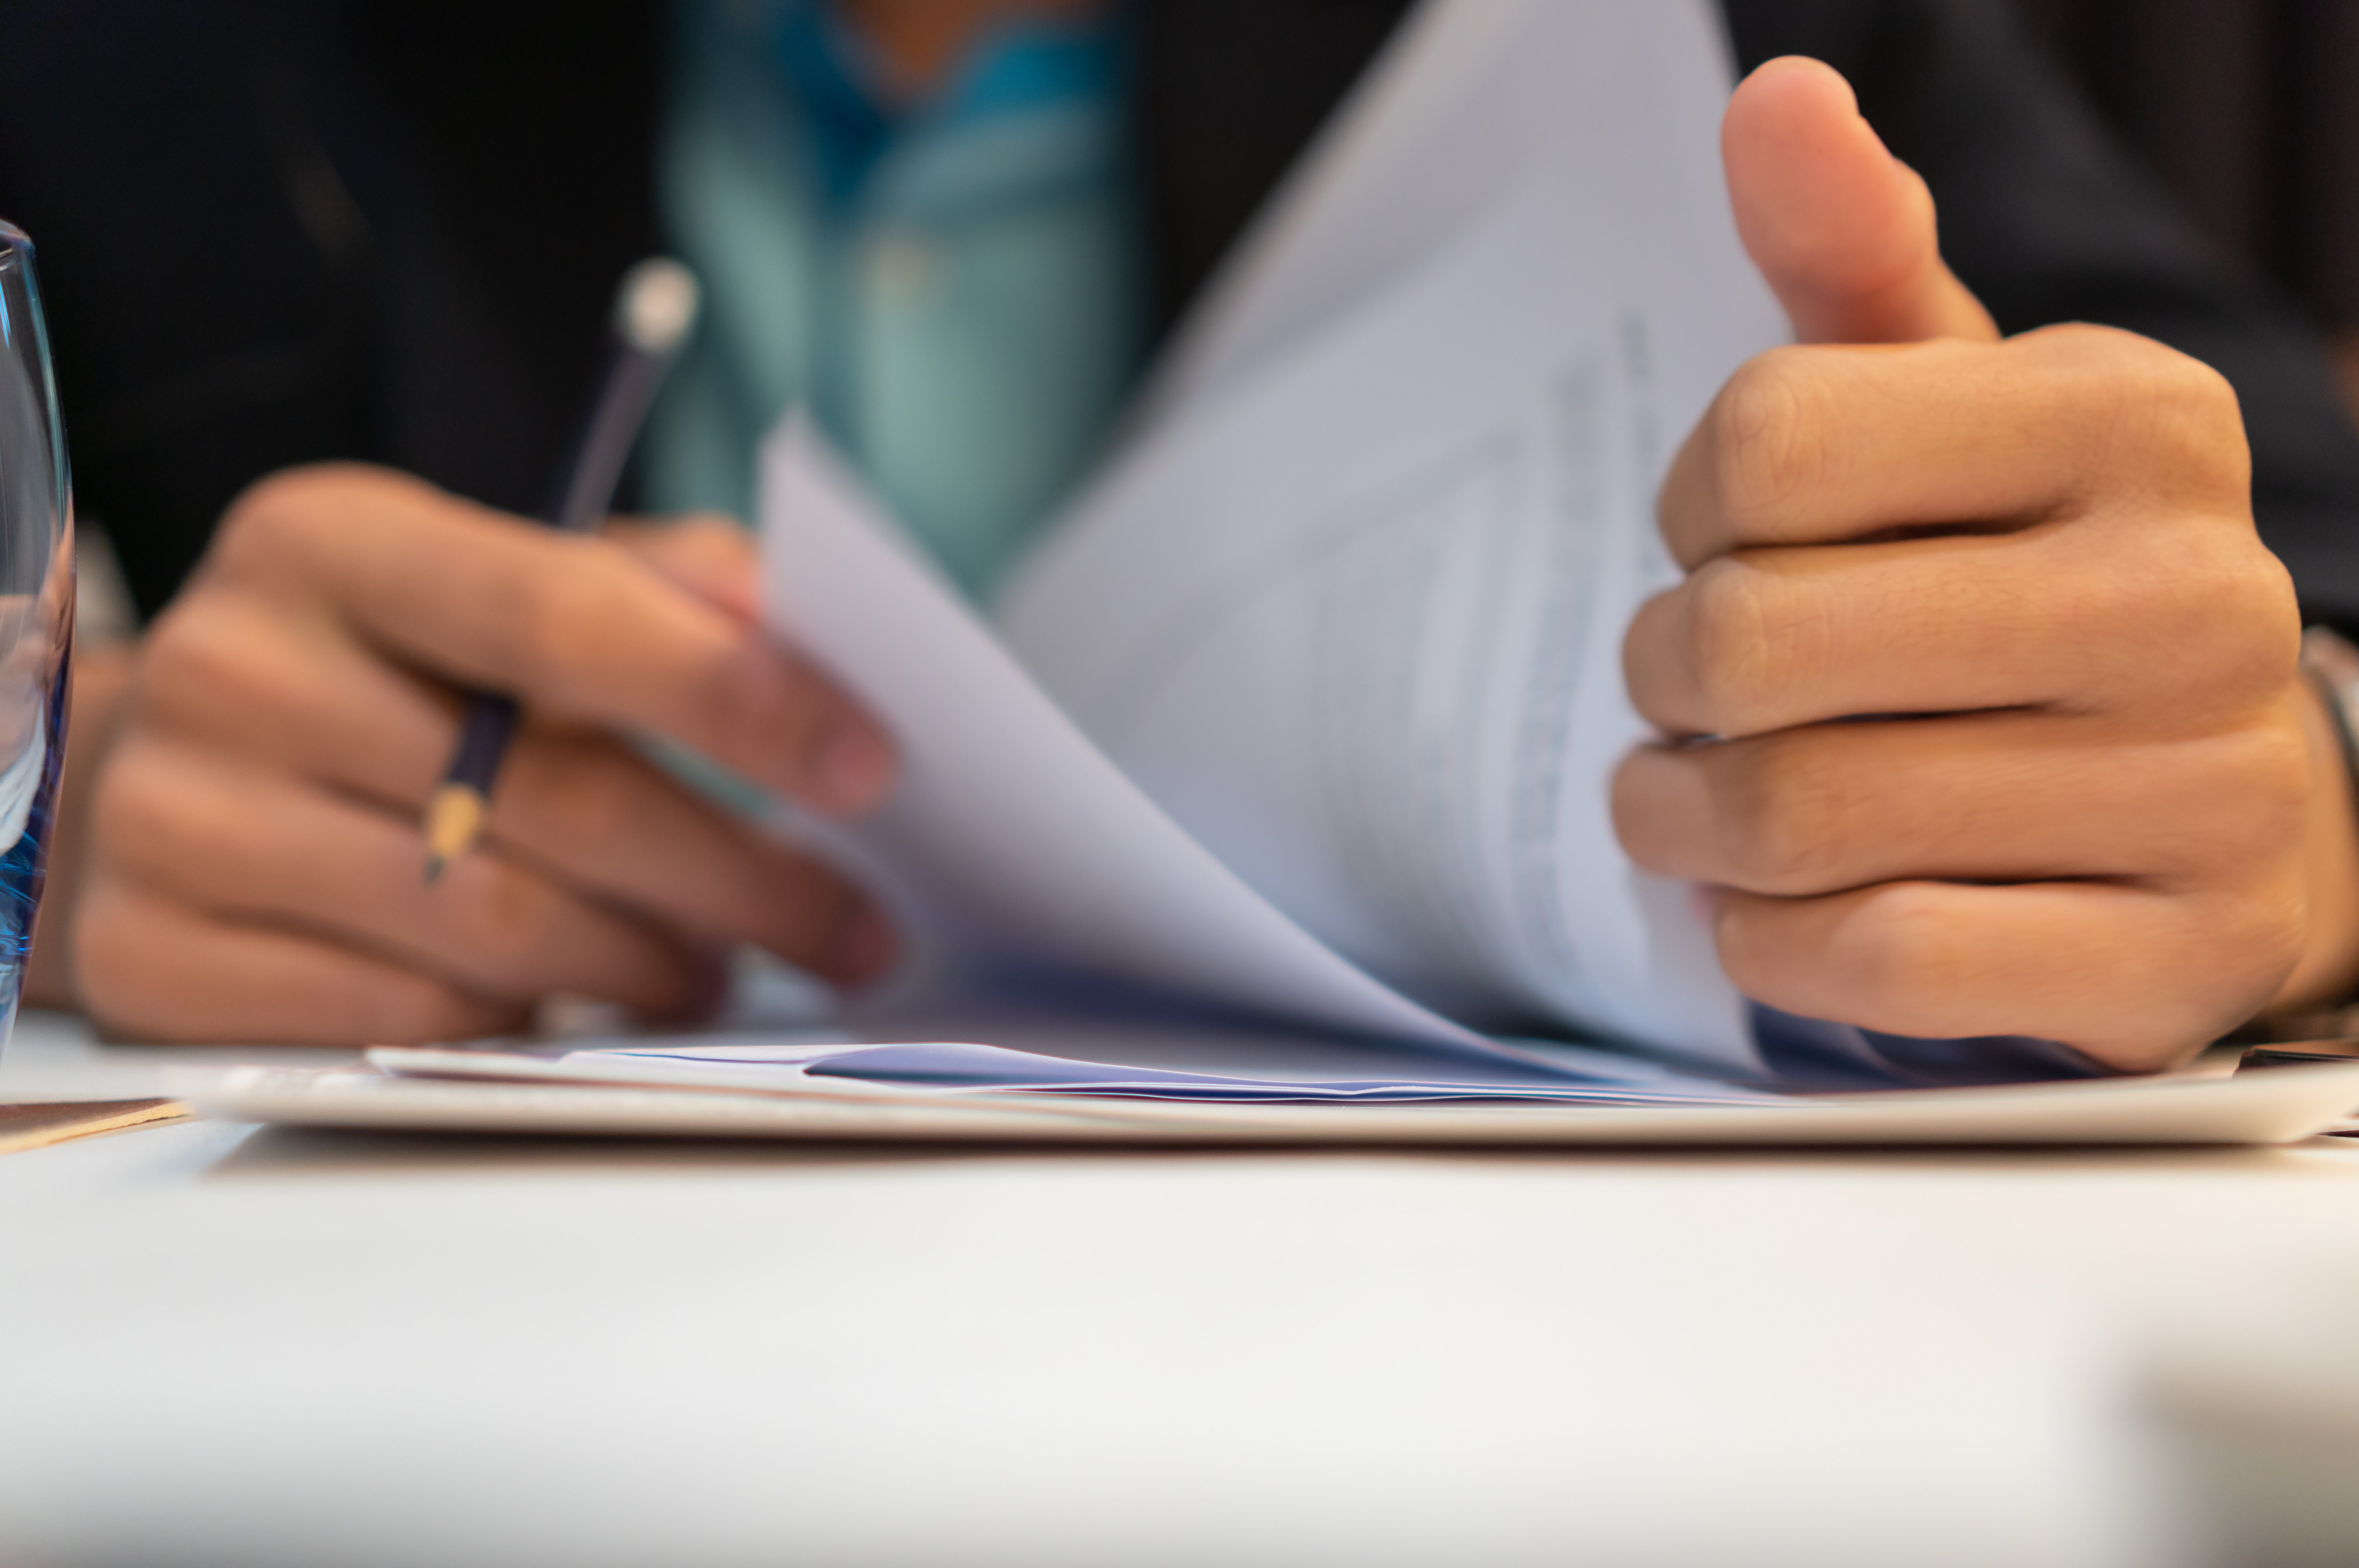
x=1980, y=706
x=253, y=869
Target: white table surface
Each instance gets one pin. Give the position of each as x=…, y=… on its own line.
x=219, y=1345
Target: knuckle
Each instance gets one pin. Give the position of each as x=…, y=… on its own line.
x=262, y=518
x=2081, y=342
x=525, y=939
x=1770, y=442
x=183, y=632
x=2276, y=775
x=181, y=655
x=2193, y=429
x=2268, y=924
x=128, y=986
x=1738, y=656
x=2266, y=771
x=1900, y=952
x=2216, y=616
x=275, y=519
x=1783, y=812
x=563, y=618
x=512, y=924
x=1631, y=798
x=2179, y=385
x=2269, y=774
x=2274, y=929
x=2201, y=394
x=136, y=804
x=2229, y=953
x=2261, y=618
x=2165, y=417
x=196, y=655
x=404, y=1009
x=106, y=945
x=1745, y=957
x=582, y=791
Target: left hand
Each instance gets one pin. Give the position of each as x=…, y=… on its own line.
x=2010, y=733
x=253, y=869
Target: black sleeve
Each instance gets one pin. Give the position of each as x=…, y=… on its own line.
x=1226, y=95
x=272, y=232
x=2047, y=219
x=202, y=319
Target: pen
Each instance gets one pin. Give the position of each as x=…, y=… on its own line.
x=654, y=309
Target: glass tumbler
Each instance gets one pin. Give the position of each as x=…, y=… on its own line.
x=36, y=606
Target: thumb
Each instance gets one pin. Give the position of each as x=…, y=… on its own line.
x=1842, y=230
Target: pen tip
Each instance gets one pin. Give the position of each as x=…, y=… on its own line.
x=454, y=818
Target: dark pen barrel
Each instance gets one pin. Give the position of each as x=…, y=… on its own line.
x=655, y=307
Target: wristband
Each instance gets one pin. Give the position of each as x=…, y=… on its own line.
x=2333, y=666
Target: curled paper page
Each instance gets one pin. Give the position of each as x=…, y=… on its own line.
x=1010, y=836
x=1334, y=645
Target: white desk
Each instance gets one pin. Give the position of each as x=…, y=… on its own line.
x=260, y=1348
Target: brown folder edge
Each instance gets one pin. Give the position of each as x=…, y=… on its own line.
x=39, y=1124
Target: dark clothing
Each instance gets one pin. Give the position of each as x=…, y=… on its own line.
x=281, y=230
x=2249, y=109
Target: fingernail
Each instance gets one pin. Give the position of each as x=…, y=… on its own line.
x=864, y=950
x=855, y=769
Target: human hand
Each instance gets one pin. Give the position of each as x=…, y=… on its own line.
x=254, y=869
x=2011, y=738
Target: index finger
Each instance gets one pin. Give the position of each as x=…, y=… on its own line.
x=1819, y=444
x=570, y=625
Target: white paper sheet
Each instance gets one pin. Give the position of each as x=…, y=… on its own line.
x=2251, y=1107
x=1353, y=624
x=1464, y=98
x=1355, y=620
x=1009, y=835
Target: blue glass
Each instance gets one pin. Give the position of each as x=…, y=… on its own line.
x=37, y=602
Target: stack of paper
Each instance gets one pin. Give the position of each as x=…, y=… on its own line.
x=683, y=1089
